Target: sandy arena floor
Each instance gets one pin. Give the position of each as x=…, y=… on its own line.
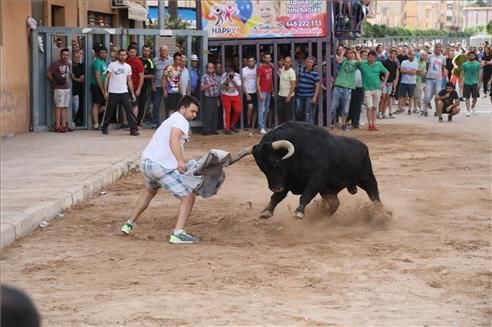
x=429, y=266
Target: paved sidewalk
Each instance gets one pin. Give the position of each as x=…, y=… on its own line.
x=43, y=173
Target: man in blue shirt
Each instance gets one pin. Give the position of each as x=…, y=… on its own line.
x=307, y=92
x=194, y=76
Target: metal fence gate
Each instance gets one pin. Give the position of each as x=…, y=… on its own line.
x=44, y=53
x=320, y=48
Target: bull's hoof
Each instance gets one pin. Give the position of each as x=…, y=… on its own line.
x=299, y=215
x=266, y=214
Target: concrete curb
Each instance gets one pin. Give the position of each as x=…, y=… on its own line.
x=15, y=225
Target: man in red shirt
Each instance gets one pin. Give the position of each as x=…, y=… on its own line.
x=264, y=85
x=137, y=77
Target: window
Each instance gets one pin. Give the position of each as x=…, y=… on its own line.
x=99, y=19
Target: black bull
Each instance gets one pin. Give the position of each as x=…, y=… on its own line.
x=308, y=160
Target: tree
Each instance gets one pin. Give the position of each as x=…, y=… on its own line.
x=479, y=3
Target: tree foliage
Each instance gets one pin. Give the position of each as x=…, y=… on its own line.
x=375, y=30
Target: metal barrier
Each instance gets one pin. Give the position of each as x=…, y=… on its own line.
x=41, y=90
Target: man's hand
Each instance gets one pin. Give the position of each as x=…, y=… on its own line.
x=164, y=93
x=395, y=83
x=181, y=166
x=260, y=96
x=288, y=98
x=137, y=93
x=248, y=97
x=313, y=99
x=106, y=95
x=384, y=85
x=134, y=98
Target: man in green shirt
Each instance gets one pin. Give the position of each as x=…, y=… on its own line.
x=344, y=84
x=371, y=71
x=470, y=70
x=98, y=72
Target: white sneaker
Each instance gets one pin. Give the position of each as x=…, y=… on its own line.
x=468, y=114
x=380, y=115
x=385, y=116
x=96, y=126
x=263, y=131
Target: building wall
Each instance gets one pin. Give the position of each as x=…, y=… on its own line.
x=475, y=16
x=14, y=68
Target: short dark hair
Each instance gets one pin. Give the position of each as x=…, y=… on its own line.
x=372, y=53
x=64, y=50
x=121, y=50
x=146, y=46
x=132, y=47
x=18, y=309
x=449, y=84
x=176, y=54
x=267, y=54
x=187, y=100
x=101, y=48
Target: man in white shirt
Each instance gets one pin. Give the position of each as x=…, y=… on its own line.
x=287, y=86
x=435, y=73
x=250, y=98
x=117, y=83
x=408, y=83
x=162, y=162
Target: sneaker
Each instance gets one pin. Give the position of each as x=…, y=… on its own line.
x=409, y=112
x=468, y=114
x=134, y=132
x=385, y=116
x=462, y=99
x=96, y=126
x=450, y=118
x=344, y=128
x=234, y=129
x=374, y=128
x=59, y=130
x=440, y=119
x=104, y=130
x=415, y=111
x=369, y=128
x=263, y=131
x=391, y=116
x=68, y=129
x=183, y=238
x=380, y=115
x=227, y=132
x=127, y=228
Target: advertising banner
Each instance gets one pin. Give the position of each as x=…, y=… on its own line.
x=235, y=19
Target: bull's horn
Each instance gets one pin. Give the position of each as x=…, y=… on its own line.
x=244, y=152
x=285, y=145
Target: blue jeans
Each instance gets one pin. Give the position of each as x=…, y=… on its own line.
x=341, y=97
x=305, y=109
x=156, y=105
x=263, y=107
x=432, y=86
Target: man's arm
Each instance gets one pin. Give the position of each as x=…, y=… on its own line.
x=49, y=75
x=176, y=149
x=106, y=84
x=386, y=76
x=292, y=89
x=164, y=82
x=130, y=86
x=316, y=92
x=258, y=90
x=98, y=81
x=140, y=83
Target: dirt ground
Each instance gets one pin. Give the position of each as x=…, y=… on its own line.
x=430, y=265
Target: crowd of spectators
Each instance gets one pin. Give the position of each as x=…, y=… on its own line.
x=383, y=81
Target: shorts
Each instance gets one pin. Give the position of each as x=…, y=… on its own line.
x=97, y=95
x=407, y=90
x=419, y=90
x=371, y=98
x=156, y=176
x=446, y=107
x=62, y=98
x=388, y=89
x=470, y=90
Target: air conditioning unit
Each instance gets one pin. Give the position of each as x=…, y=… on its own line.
x=121, y=2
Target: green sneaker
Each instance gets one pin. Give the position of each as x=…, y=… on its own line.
x=183, y=238
x=127, y=228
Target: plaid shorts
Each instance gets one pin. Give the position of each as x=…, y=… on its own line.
x=156, y=176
